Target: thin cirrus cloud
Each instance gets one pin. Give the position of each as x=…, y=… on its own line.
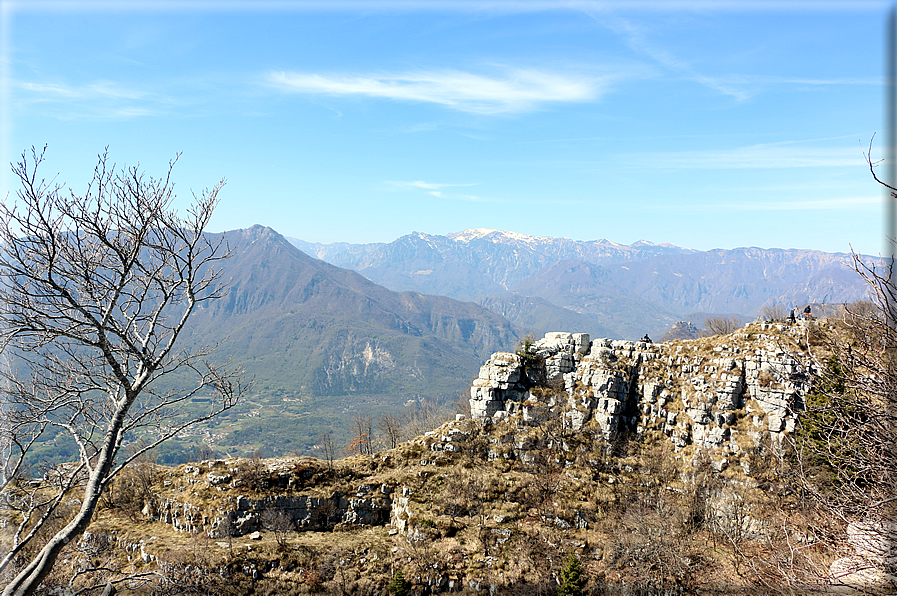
x=755, y=156
x=99, y=100
x=435, y=189
x=744, y=87
x=100, y=89
x=517, y=90
x=426, y=185
x=741, y=87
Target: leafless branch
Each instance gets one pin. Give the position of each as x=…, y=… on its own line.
x=95, y=292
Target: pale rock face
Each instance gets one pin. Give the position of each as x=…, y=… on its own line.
x=558, y=365
x=576, y=418
x=694, y=396
x=306, y=512
x=856, y=573
x=874, y=542
x=495, y=385
x=501, y=371
x=561, y=352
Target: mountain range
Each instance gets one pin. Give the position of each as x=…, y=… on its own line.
x=301, y=323
x=608, y=289
x=325, y=343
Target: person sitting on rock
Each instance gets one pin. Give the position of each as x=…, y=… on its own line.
x=646, y=339
x=807, y=312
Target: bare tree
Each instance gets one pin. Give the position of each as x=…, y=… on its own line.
x=327, y=445
x=425, y=417
x=363, y=435
x=773, y=312
x=845, y=459
x=391, y=426
x=95, y=290
x=462, y=406
x=200, y=452
x=280, y=523
x=848, y=435
x=721, y=325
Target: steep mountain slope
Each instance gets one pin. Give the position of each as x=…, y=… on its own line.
x=418, y=262
x=538, y=316
x=830, y=286
x=590, y=290
x=740, y=280
x=329, y=331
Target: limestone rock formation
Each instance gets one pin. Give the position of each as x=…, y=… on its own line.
x=552, y=418
x=681, y=330
x=875, y=554
x=696, y=393
x=367, y=505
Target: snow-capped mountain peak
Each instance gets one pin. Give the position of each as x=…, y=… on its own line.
x=496, y=236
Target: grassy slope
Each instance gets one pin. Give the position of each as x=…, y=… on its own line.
x=640, y=517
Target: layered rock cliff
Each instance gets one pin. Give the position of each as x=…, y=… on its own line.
x=722, y=396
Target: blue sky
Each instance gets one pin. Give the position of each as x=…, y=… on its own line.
x=704, y=124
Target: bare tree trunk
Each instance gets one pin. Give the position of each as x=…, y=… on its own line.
x=94, y=292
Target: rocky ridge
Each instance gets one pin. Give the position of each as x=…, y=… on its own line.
x=722, y=397
x=541, y=461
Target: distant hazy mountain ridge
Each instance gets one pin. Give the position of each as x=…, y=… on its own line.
x=608, y=288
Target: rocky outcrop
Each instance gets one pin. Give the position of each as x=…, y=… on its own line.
x=700, y=392
x=722, y=397
x=304, y=512
x=370, y=506
x=681, y=330
x=870, y=568
x=239, y=515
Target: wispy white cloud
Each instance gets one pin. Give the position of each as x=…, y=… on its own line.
x=636, y=38
x=741, y=87
x=515, y=90
x=426, y=185
x=97, y=100
x=775, y=156
x=744, y=87
x=436, y=189
x=97, y=90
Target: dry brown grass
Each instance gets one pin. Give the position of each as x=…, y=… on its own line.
x=649, y=511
